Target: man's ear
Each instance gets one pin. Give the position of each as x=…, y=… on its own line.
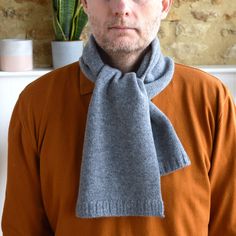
x=166, y=4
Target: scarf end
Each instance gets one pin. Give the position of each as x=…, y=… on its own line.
x=176, y=164
x=111, y=208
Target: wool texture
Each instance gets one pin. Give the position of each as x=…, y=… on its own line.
x=129, y=143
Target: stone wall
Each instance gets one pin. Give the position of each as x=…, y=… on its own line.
x=196, y=32
x=201, y=32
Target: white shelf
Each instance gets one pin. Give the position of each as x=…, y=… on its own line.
x=37, y=72
x=40, y=71
x=218, y=68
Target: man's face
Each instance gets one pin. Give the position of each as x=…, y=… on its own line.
x=125, y=25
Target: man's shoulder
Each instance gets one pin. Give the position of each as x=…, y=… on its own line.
x=50, y=91
x=193, y=74
x=192, y=78
x=52, y=81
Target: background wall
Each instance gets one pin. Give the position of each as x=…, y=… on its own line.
x=196, y=31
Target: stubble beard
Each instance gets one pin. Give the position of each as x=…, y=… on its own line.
x=123, y=45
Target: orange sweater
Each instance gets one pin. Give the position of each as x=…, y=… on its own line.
x=45, y=148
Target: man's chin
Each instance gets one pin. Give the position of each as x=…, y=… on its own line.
x=122, y=46
x=122, y=49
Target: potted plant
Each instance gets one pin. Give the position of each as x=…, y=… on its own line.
x=16, y=55
x=69, y=20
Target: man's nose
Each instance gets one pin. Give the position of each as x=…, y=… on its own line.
x=120, y=7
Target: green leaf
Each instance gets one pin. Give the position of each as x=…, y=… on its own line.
x=55, y=5
x=66, y=13
x=59, y=34
x=79, y=22
x=69, y=19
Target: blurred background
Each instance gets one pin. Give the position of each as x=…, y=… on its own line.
x=196, y=32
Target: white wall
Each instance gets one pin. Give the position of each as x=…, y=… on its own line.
x=11, y=84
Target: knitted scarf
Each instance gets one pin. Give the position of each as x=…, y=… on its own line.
x=129, y=143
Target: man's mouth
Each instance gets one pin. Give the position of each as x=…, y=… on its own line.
x=121, y=28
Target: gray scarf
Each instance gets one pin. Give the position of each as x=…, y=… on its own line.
x=129, y=143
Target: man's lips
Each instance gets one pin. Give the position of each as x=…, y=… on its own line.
x=121, y=28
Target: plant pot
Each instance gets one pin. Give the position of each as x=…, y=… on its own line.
x=66, y=52
x=16, y=55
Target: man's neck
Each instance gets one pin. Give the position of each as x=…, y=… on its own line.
x=125, y=62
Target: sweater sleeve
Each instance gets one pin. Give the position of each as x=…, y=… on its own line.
x=23, y=212
x=223, y=173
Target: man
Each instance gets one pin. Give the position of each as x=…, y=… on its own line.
x=90, y=143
